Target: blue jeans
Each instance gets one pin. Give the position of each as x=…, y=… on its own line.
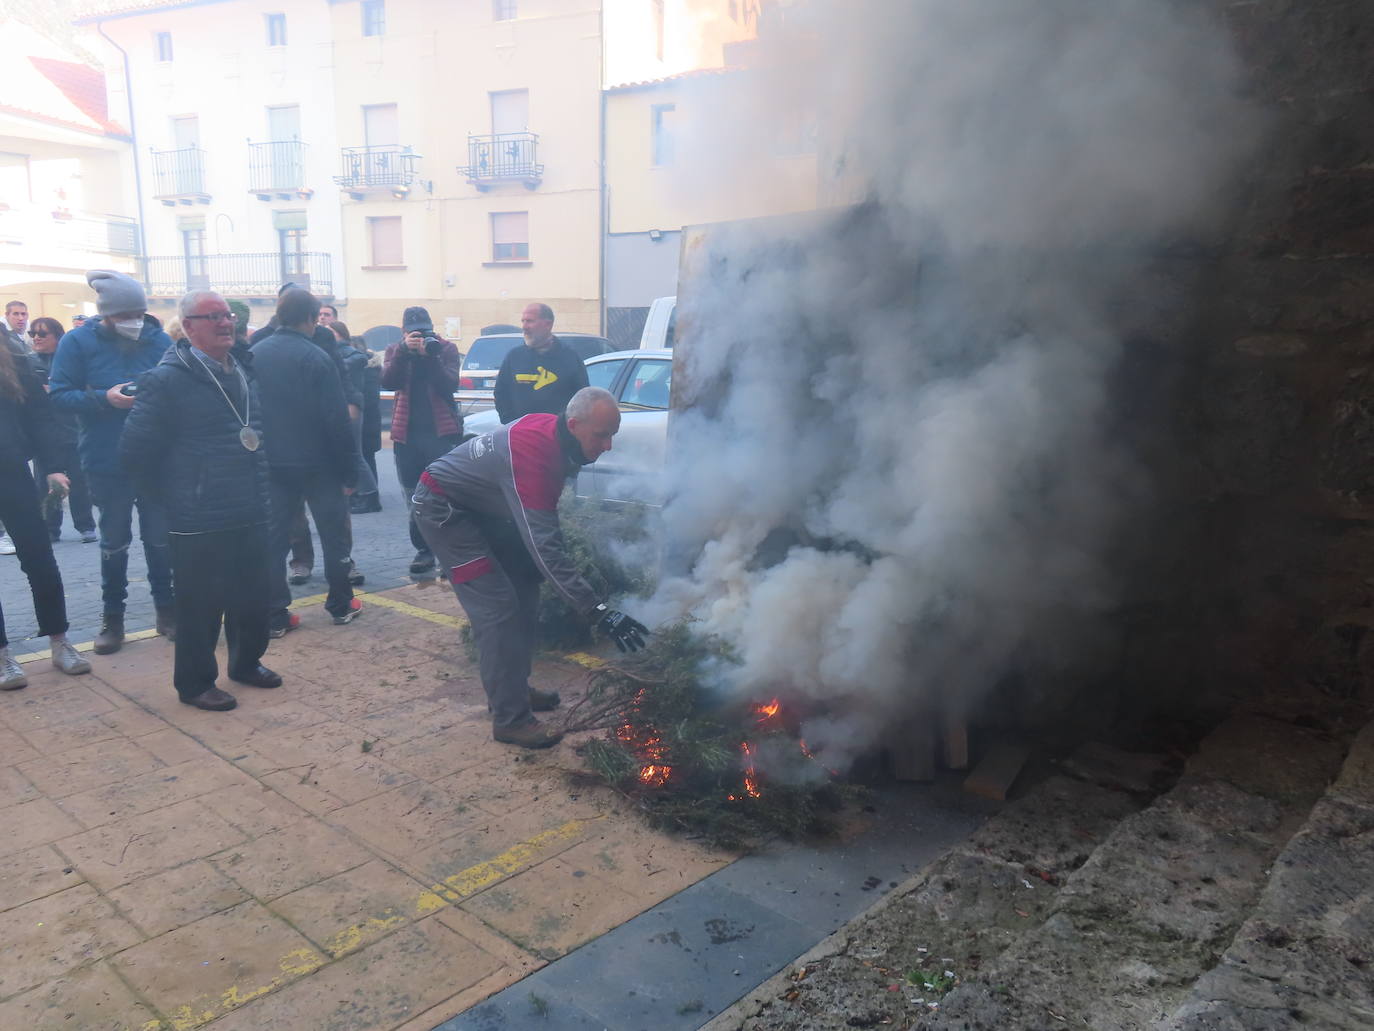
x=115, y=497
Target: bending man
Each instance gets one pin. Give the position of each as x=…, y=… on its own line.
x=489, y=511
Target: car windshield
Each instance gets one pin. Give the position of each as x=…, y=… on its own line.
x=487, y=352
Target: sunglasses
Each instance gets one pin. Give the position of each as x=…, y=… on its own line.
x=39, y=333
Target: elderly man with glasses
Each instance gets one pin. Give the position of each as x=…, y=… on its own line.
x=194, y=439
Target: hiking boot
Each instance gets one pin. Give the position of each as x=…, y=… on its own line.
x=300, y=573
x=362, y=504
x=212, y=700
x=166, y=623
x=423, y=562
x=355, y=609
x=11, y=673
x=543, y=701
x=111, y=636
x=528, y=735
x=66, y=658
x=292, y=621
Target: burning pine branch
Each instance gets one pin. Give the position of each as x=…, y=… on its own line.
x=694, y=761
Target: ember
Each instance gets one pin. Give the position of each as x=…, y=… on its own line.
x=767, y=712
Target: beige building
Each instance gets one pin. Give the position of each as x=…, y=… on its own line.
x=470, y=166
x=701, y=146
x=66, y=181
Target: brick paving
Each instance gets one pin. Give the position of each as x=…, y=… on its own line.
x=348, y=851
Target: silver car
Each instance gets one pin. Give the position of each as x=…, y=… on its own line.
x=485, y=354
x=632, y=471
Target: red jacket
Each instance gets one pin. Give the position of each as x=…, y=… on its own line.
x=441, y=365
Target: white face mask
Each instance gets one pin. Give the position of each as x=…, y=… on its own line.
x=128, y=328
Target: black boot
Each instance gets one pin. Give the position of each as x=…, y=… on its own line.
x=111, y=636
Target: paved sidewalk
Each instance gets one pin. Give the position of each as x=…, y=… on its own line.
x=349, y=851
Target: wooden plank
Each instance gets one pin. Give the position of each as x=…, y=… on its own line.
x=911, y=749
x=994, y=776
x=954, y=742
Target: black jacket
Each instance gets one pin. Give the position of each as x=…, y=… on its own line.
x=64, y=423
x=181, y=444
x=28, y=430
x=530, y=382
x=372, y=403
x=303, y=408
x=326, y=340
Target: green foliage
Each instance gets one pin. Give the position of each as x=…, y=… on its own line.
x=677, y=746
x=595, y=538
x=937, y=981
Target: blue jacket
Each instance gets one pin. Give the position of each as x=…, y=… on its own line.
x=90, y=360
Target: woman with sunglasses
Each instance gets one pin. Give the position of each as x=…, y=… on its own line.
x=45, y=333
x=26, y=430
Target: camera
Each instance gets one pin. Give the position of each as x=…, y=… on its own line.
x=128, y=390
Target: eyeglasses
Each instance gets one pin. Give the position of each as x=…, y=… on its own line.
x=214, y=316
x=39, y=333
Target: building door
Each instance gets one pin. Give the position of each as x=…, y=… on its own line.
x=186, y=172
x=510, y=111
x=381, y=136
x=284, y=131
x=193, y=251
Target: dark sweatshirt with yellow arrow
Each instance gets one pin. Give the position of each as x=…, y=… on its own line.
x=533, y=381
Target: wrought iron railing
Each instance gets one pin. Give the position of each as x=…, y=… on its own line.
x=384, y=166
x=179, y=173
x=503, y=157
x=276, y=167
x=238, y=275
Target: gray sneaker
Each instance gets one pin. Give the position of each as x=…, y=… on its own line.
x=69, y=660
x=11, y=673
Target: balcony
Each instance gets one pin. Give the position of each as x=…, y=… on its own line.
x=277, y=170
x=373, y=169
x=179, y=176
x=504, y=157
x=238, y=275
x=60, y=237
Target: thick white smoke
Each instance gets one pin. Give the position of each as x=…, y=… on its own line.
x=899, y=483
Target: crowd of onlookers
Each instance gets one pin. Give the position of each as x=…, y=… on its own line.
x=228, y=444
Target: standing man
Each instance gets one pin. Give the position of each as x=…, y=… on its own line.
x=423, y=371
x=489, y=510
x=93, y=375
x=541, y=376
x=328, y=315
x=194, y=441
x=16, y=321
x=312, y=457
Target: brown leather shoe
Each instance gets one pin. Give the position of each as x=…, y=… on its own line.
x=111, y=636
x=260, y=677
x=528, y=735
x=212, y=699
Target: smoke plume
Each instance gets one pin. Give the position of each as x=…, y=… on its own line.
x=898, y=483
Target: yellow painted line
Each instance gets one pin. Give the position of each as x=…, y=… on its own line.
x=442, y=618
x=85, y=646
x=469, y=882
x=300, y=962
x=583, y=659
x=311, y=599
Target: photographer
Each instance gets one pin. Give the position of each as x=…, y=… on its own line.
x=422, y=369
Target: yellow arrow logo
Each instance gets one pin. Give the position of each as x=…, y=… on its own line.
x=540, y=380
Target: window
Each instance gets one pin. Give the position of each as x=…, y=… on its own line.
x=734, y=10
x=503, y=10
x=661, y=120
x=510, y=111
x=385, y=235
x=602, y=374
x=374, y=17
x=658, y=28
x=510, y=236
x=193, y=249
x=381, y=125
x=276, y=30
x=290, y=227
x=162, y=44
x=649, y=383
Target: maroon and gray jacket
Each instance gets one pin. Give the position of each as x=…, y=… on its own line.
x=441, y=370
x=516, y=472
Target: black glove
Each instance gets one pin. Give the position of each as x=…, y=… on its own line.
x=627, y=632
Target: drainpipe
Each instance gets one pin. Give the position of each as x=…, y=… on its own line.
x=133, y=134
x=601, y=193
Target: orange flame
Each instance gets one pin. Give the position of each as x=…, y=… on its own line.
x=768, y=711
x=751, y=780
x=654, y=775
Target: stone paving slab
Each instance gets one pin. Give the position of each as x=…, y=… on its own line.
x=351, y=850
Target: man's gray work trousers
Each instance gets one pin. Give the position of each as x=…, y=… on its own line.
x=497, y=584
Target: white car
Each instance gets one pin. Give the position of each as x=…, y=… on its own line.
x=631, y=472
